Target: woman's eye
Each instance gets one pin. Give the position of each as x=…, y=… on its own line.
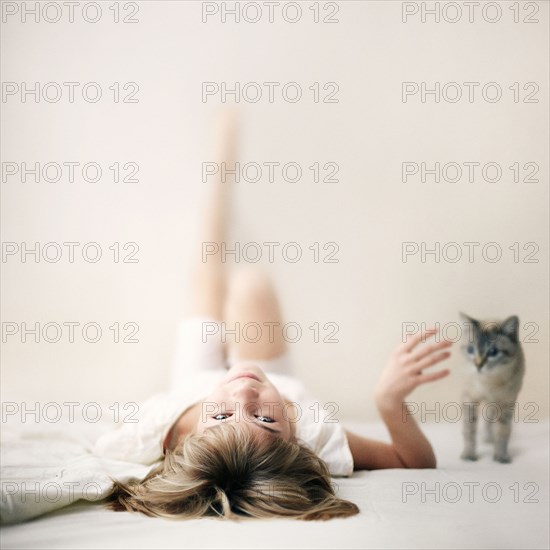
x=217, y=416
x=265, y=419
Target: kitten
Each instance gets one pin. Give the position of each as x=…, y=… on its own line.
x=496, y=354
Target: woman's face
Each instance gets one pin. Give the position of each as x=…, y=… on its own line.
x=246, y=396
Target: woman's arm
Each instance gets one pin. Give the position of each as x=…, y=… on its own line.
x=404, y=372
x=409, y=447
x=369, y=454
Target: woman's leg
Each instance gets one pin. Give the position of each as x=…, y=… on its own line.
x=250, y=297
x=207, y=284
x=252, y=303
x=198, y=344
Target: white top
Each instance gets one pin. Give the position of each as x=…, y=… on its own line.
x=142, y=441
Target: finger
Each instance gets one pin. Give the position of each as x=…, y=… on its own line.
x=423, y=378
x=424, y=351
x=415, y=339
x=430, y=361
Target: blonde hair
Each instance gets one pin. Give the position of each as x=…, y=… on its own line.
x=230, y=473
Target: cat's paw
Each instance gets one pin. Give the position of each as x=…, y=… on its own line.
x=502, y=458
x=468, y=455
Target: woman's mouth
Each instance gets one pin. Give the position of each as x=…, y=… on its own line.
x=246, y=375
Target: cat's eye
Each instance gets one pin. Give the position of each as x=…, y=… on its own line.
x=492, y=352
x=470, y=349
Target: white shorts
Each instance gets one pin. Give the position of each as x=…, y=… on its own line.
x=199, y=348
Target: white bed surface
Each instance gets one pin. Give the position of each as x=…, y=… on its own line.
x=388, y=519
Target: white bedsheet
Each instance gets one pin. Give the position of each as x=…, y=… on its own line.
x=399, y=508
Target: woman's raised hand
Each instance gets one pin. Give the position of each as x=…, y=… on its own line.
x=405, y=369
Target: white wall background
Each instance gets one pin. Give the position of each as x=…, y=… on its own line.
x=370, y=292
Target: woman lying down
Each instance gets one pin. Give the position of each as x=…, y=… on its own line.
x=238, y=435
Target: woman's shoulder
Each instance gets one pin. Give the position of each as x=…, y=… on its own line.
x=317, y=425
x=326, y=437
x=141, y=439
x=138, y=439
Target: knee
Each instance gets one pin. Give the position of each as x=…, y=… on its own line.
x=250, y=284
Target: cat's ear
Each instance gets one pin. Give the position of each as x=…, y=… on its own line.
x=471, y=327
x=510, y=327
x=468, y=319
